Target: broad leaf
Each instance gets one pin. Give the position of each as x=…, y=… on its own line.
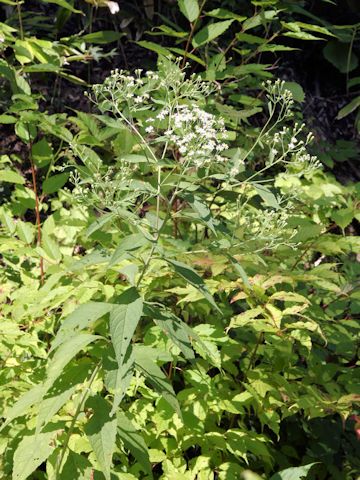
x=101, y=432
x=64, y=354
x=31, y=452
x=124, y=319
x=79, y=319
x=190, y=9
x=210, y=32
x=294, y=473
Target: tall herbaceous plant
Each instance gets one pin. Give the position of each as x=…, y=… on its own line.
x=179, y=185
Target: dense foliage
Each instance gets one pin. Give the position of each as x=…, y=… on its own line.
x=179, y=264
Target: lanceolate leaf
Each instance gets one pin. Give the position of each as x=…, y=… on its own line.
x=133, y=441
x=61, y=391
x=174, y=328
x=193, y=278
x=64, y=354
x=79, y=319
x=155, y=376
x=118, y=380
x=124, y=318
x=31, y=452
x=210, y=32
x=101, y=432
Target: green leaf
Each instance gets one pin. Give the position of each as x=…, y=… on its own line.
x=266, y=194
x=349, y=108
x=202, y=210
x=190, y=9
x=259, y=19
x=225, y=14
x=337, y=53
x=173, y=327
x=25, y=231
x=294, y=473
x=62, y=390
x=99, y=223
x=21, y=406
x=7, y=119
x=154, y=47
x=96, y=257
x=11, y=177
x=343, y=217
x=194, y=279
x=82, y=317
x=76, y=466
x=117, y=380
x=101, y=432
x=210, y=32
x=102, y=37
x=64, y=354
x=41, y=153
x=54, y=183
x=133, y=441
x=124, y=319
x=145, y=358
x=64, y=4
x=296, y=90
x=31, y=452
x=128, y=244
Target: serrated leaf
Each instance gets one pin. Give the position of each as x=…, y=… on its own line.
x=118, y=379
x=124, y=318
x=99, y=223
x=190, y=9
x=102, y=37
x=210, y=32
x=133, y=441
x=101, y=432
x=76, y=466
x=31, y=452
x=202, y=210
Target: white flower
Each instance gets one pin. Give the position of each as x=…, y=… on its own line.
x=149, y=129
x=113, y=7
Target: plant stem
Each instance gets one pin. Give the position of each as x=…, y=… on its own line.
x=21, y=28
x=191, y=34
x=37, y=209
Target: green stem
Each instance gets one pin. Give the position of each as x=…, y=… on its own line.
x=191, y=34
x=21, y=28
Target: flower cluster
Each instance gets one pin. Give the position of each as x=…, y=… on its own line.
x=197, y=135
